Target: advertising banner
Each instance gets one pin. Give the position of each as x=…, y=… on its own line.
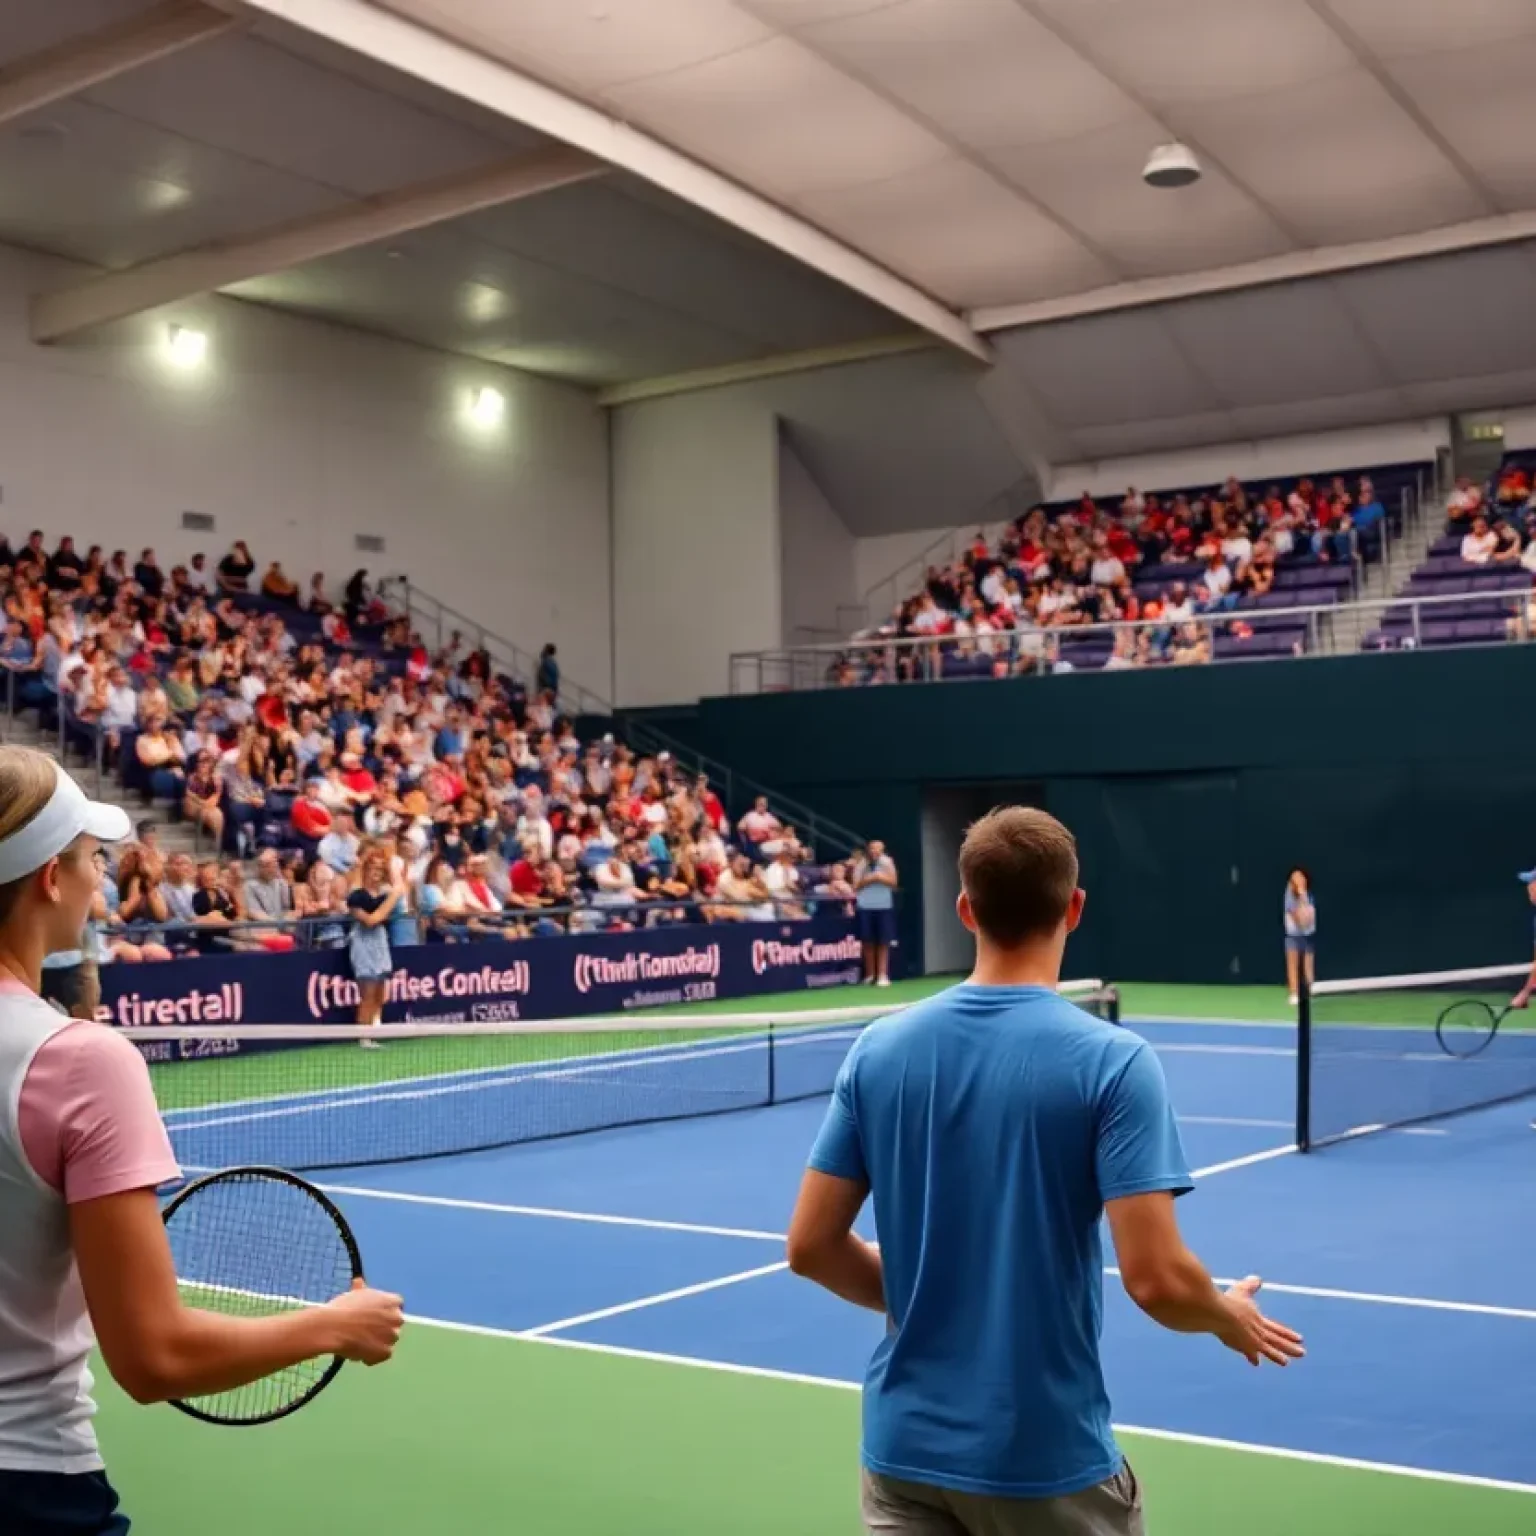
x=493, y=980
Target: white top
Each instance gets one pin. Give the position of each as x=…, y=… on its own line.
x=45, y=1332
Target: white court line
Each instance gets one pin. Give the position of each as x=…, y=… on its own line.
x=1180, y=1437
x=701, y=1229
x=1238, y=1120
x=1246, y=1161
x=641, y=1302
x=453, y=1203
x=1180, y=1047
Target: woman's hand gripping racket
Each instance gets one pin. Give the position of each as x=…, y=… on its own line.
x=257, y=1242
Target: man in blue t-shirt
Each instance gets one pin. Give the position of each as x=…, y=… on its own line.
x=995, y=1124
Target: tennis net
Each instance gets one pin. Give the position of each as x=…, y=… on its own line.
x=314, y=1096
x=1384, y=1051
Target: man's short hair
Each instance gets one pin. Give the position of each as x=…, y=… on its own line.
x=1018, y=866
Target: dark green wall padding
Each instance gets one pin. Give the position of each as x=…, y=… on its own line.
x=1403, y=782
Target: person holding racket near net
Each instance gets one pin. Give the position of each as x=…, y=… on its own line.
x=995, y=1124
x=1522, y=998
x=83, y=1247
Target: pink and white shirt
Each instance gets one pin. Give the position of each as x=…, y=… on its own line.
x=77, y=1121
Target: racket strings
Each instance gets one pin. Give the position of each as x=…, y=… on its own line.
x=250, y=1244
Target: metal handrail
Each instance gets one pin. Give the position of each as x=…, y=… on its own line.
x=737, y=788
x=1011, y=643
x=430, y=614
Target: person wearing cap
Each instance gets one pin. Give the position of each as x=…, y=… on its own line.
x=85, y=1260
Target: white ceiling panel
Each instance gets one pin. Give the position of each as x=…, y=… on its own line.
x=985, y=71
x=591, y=46
x=1489, y=391
x=1436, y=319
x=1107, y=369
x=1289, y=342
x=1483, y=101
x=242, y=95
x=1401, y=29
x=781, y=120
x=62, y=184
x=1322, y=413
x=1337, y=160
x=1093, y=184
x=1174, y=52
x=1009, y=247
x=1122, y=439
x=28, y=29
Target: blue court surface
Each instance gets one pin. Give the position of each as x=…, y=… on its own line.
x=1407, y=1258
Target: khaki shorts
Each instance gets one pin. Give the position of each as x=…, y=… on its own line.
x=1113, y=1508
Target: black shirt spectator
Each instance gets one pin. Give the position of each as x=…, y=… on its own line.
x=64, y=566
x=212, y=900
x=236, y=568
x=148, y=574
x=549, y=671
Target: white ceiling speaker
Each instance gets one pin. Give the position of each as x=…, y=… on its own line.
x=1171, y=165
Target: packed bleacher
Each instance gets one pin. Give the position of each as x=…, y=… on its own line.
x=1210, y=573
x=1478, y=574
x=298, y=731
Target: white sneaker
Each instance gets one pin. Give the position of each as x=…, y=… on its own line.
x=884, y=981
x=371, y=1045
x=1293, y=1000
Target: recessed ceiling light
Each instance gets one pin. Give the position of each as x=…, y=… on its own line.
x=487, y=406
x=187, y=347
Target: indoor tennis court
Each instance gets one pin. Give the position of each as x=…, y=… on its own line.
x=606, y=1337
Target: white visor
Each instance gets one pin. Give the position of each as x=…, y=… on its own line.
x=67, y=815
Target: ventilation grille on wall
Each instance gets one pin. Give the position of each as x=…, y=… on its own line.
x=370, y=543
x=198, y=522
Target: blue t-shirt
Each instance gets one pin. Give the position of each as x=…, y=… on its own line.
x=992, y=1124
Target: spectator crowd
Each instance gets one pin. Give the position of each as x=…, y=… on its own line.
x=301, y=736
x=1053, y=571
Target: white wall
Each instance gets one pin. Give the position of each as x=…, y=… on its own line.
x=297, y=436
x=1270, y=458
x=1519, y=425
x=816, y=557
x=695, y=542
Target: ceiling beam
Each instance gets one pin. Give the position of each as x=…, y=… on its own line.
x=754, y=368
x=1325, y=261
x=415, y=50
x=206, y=268
x=78, y=63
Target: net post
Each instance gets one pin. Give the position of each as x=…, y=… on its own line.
x=1112, y=1005
x=1303, y=1061
x=773, y=1057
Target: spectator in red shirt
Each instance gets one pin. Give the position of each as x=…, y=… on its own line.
x=311, y=819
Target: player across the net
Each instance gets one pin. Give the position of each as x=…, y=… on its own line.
x=1385, y=1051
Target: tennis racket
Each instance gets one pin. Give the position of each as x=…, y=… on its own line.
x=1467, y=1027
x=252, y=1242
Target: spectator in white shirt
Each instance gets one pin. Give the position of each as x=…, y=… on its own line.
x=1107, y=569
x=783, y=882
x=533, y=825
x=198, y=577
x=1177, y=605
x=759, y=824
x=1478, y=546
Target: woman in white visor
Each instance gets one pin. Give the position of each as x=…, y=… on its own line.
x=83, y=1250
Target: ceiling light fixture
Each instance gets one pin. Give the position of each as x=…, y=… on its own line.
x=487, y=406
x=187, y=347
x=1171, y=165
